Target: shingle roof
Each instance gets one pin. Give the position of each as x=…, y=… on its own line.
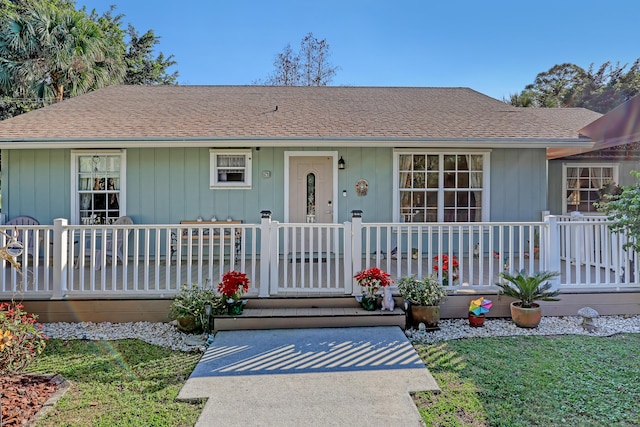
x=183, y=112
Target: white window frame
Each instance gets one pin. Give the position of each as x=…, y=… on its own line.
x=75, y=199
x=486, y=209
x=214, y=183
x=565, y=206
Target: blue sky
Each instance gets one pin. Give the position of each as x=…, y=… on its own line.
x=495, y=47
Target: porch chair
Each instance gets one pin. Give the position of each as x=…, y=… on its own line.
x=26, y=220
x=108, y=242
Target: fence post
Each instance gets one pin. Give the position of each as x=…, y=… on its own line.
x=553, y=248
x=265, y=258
x=347, y=257
x=60, y=257
x=356, y=247
x=274, y=281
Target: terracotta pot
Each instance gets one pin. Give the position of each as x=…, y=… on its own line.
x=526, y=317
x=475, y=320
x=427, y=314
x=186, y=323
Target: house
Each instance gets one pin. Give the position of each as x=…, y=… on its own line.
x=325, y=180
x=577, y=175
x=167, y=153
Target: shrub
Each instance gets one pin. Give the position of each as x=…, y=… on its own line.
x=191, y=302
x=427, y=291
x=21, y=338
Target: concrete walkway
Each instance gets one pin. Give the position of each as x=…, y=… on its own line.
x=309, y=377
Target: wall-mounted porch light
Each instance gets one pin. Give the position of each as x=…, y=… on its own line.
x=341, y=163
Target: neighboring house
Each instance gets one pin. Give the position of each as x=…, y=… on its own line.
x=167, y=153
x=578, y=175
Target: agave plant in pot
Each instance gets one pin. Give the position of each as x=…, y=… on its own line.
x=424, y=296
x=527, y=289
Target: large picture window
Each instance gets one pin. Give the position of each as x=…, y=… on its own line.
x=97, y=187
x=230, y=169
x=441, y=187
x=583, y=184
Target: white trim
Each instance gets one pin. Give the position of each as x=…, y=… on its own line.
x=214, y=184
x=75, y=200
x=486, y=171
x=288, y=155
x=615, y=177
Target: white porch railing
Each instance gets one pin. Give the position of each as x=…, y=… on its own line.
x=308, y=259
x=592, y=255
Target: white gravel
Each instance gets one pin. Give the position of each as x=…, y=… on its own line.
x=162, y=334
x=166, y=334
x=451, y=329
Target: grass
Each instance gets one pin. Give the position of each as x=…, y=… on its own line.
x=533, y=381
x=123, y=383
x=507, y=381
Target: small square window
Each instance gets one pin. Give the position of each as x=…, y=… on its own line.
x=230, y=169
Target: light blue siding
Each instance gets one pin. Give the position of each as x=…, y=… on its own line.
x=166, y=185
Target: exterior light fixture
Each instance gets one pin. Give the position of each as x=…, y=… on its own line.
x=341, y=163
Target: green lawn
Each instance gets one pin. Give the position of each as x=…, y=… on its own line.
x=507, y=381
x=123, y=383
x=534, y=381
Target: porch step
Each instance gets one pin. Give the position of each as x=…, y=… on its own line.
x=289, y=313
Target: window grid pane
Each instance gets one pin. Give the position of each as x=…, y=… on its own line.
x=457, y=177
x=583, y=185
x=99, y=189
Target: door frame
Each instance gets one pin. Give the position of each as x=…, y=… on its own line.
x=334, y=163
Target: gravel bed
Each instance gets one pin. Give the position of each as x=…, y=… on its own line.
x=162, y=334
x=451, y=329
x=167, y=335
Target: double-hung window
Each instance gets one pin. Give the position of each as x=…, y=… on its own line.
x=583, y=184
x=230, y=169
x=97, y=184
x=441, y=186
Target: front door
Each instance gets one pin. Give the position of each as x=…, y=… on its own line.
x=310, y=201
x=311, y=189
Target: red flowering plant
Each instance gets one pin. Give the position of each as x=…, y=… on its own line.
x=449, y=268
x=21, y=338
x=234, y=284
x=372, y=280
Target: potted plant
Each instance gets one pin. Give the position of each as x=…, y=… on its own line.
x=477, y=310
x=233, y=286
x=449, y=268
x=188, y=307
x=527, y=289
x=424, y=297
x=371, y=281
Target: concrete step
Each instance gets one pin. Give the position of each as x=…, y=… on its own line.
x=290, y=313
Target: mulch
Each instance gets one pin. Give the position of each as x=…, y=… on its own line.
x=22, y=396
